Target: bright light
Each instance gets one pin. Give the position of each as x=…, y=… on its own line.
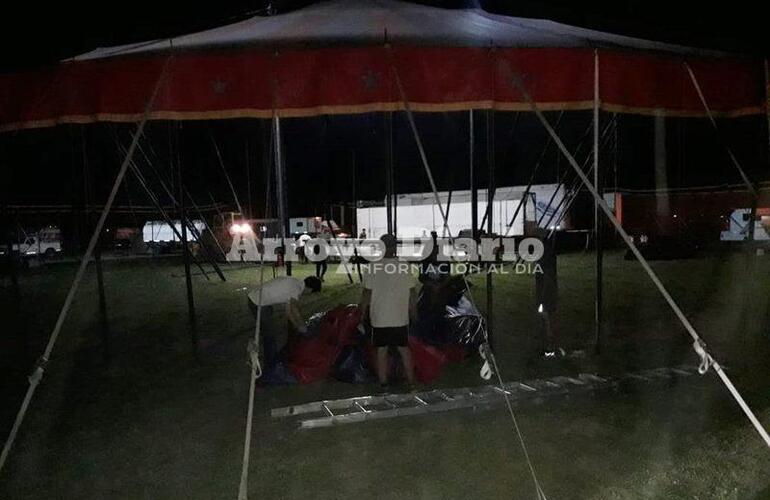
x=540, y=309
x=241, y=228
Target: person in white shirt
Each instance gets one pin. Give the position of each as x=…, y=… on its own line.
x=301, y=249
x=286, y=291
x=389, y=299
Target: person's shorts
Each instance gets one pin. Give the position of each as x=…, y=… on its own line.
x=267, y=311
x=396, y=336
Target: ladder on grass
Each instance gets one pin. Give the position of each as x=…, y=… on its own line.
x=382, y=406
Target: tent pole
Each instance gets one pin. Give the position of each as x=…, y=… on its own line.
x=185, y=247
x=472, y=179
x=598, y=302
x=393, y=190
x=388, y=168
x=103, y=318
x=356, y=229
x=490, y=225
x=280, y=180
x=248, y=179
x=767, y=104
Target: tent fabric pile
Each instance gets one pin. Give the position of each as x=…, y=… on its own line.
x=449, y=329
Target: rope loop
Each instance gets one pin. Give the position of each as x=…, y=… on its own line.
x=37, y=373
x=252, y=349
x=705, y=359
x=486, y=369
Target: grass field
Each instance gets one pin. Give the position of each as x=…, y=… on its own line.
x=154, y=423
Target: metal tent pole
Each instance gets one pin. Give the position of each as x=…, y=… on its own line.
x=103, y=318
x=280, y=180
x=248, y=180
x=767, y=104
x=490, y=223
x=598, y=302
x=185, y=247
x=471, y=173
x=393, y=190
x=388, y=168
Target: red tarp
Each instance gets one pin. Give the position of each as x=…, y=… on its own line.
x=252, y=82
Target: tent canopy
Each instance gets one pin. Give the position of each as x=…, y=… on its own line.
x=369, y=22
x=343, y=56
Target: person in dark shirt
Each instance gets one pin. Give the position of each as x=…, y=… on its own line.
x=547, y=295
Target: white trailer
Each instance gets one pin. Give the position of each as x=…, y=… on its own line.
x=418, y=214
x=162, y=232
x=310, y=225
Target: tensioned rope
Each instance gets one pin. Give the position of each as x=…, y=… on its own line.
x=733, y=158
x=224, y=171
x=569, y=196
x=253, y=346
x=39, y=370
x=486, y=352
x=256, y=372
x=707, y=360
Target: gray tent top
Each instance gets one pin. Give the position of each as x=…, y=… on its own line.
x=366, y=22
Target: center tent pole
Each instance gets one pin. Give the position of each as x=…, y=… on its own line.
x=471, y=174
x=280, y=180
x=490, y=223
x=767, y=104
x=598, y=302
x=388, y=168
x=393, y=190
x=103, y=318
